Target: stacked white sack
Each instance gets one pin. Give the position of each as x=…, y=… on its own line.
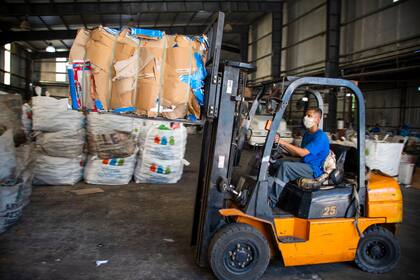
x=60, y=138
x=161, y=156
x=112, y=149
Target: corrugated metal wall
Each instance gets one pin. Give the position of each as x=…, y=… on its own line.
x=372, y=29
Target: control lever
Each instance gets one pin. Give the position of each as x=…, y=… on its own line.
x=224, y=187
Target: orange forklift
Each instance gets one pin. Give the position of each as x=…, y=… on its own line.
x=353, y=214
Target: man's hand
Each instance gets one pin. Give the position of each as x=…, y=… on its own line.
x=292, y=149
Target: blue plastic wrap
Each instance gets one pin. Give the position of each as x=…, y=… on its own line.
x=147, y=32
x=124, y=110
x=73, y=93
x=196, y=79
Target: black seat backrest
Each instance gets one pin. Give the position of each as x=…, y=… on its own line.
x=350, y=164
x=340, y=152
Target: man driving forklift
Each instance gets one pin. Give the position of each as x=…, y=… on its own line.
x=313, y=152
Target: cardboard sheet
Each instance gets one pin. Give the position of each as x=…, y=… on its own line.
x=100, y=51
x=151, y=55
x=125, y=68
x=78, y=49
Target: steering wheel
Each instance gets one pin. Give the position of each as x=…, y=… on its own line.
x=277, y=152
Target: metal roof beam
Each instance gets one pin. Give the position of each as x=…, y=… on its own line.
x=46, y=55
x=11, y=36
x=102, y=8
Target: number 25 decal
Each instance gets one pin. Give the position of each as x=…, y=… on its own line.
x=329, y=211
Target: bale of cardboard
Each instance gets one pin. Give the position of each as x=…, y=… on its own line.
x=145, y=71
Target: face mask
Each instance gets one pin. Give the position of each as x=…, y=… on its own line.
x=308, y=122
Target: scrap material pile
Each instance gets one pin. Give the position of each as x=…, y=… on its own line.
x=138, y=70
x=112, y=143
x=16, y=162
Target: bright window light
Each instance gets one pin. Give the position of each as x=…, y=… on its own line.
x=7, y=64
x=60, y=69
x=305, y=99
x=395, y=1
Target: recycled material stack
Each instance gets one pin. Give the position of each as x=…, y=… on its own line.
x=138, y=70
x=60, y=139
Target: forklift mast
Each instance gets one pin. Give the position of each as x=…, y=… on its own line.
x=222, y=86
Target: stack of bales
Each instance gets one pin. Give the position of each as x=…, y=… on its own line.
x=60, y=138
x=112, y=149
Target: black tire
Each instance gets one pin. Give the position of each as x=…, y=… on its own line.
x=238, y=251
x=378, y=251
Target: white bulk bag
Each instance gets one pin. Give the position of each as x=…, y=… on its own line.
x=51, y=114
x=58, y=170
x=157, y=171
x=163, y=142
x=384, y=156
x=115, y=171
x=162, y=149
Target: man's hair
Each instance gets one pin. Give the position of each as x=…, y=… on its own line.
x=316, y=109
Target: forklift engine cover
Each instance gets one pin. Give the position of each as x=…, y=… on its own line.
x=331, y=203
x=384, y=198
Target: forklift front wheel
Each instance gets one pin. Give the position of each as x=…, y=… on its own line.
x=378, y=250
x=238, y=251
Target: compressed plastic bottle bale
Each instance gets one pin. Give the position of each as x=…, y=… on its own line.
x=114, y=171
x=114, y=145
x=51, y=114
x=7, y=155
x=64, y=143
x=58, y=170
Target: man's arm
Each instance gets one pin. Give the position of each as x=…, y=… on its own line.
x=294, y=150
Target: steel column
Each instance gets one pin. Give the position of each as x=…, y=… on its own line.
x=332, y=56
x=276, y=41
x=244, y=45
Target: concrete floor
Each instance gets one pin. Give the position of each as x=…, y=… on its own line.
x=61, y=235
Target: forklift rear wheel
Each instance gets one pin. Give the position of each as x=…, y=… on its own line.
x=238, y=251
x=378, y=251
